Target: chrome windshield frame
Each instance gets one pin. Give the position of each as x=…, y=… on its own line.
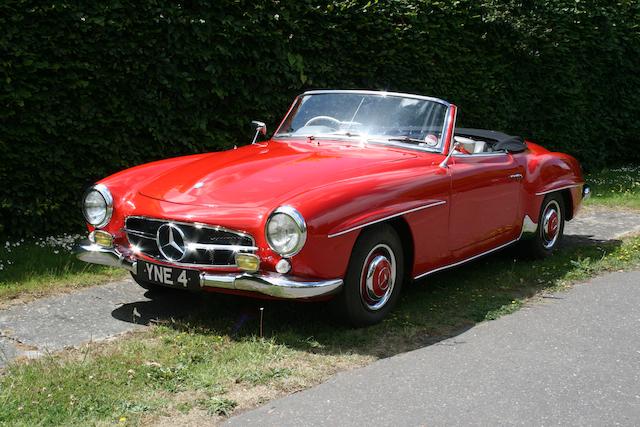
x=377, y=93
x=376, y=139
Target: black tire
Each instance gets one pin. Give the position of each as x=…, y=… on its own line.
x=152, y=287
x=544, y=243
x=365, y=301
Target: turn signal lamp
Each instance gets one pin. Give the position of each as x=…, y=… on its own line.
x=248, y=262
x=103, y=238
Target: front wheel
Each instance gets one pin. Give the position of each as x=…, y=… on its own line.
x=550, y=227
x=374, y=277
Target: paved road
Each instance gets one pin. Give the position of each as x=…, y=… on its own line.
x=571, y=360
x=50, y=324
x=101, y=312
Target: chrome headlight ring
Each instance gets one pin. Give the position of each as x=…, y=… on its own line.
x=102, y=191
x=291, y=225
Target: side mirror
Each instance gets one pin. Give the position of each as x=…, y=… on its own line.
x=260, y=128
x=454, y=146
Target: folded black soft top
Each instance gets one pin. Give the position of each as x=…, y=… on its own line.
x=498, y=140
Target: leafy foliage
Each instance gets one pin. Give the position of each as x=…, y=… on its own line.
x=90, y=88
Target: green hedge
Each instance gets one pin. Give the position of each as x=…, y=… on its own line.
x=89, y=88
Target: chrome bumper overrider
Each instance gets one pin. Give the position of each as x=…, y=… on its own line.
x=586, y=192
x=273, y=284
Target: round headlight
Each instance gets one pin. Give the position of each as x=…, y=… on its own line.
x=286, y=231
x=97, y=205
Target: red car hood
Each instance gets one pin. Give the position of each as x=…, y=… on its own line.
x=269, y=173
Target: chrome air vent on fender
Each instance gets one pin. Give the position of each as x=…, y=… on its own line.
x=188, y=244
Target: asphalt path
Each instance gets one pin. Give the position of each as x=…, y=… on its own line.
x=571, y=360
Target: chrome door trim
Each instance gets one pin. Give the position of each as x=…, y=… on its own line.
x=542, y=193
x=528, y=226
x=419, y=276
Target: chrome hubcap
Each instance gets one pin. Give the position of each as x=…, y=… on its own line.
x=551, y=218
x=378, y=277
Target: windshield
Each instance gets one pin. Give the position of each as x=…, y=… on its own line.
x=390, y=118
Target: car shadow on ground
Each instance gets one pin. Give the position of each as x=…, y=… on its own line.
x=430, y=310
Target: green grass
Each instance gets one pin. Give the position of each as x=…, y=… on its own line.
x=618, y=187
x=43, y=266
x=213, y=362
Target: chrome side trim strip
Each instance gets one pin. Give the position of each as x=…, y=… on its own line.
x=357, y=227
x=419, y=276
x=528, y=227
x=558, y=189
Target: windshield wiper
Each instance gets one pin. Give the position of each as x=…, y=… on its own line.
x=346, y=133
x=408, y=139
x=322, y=135
x=420, y=142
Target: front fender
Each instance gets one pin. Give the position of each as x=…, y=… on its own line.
x=336, y=215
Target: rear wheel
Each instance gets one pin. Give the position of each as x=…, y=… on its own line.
x=550, y=227
x=374, y=277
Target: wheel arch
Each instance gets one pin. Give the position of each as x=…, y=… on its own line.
x=568, y=204
x=401, y=227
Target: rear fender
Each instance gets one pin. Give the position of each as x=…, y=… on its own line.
x=548, y=173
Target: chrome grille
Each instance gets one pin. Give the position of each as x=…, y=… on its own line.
x=206, y=245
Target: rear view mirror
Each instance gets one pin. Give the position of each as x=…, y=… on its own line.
x=260, y=128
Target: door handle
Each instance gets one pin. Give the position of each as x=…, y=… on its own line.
x=516, y=176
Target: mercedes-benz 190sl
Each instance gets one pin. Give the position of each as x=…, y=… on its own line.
x=354, y=195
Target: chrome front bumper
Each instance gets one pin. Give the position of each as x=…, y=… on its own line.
x=272, y=284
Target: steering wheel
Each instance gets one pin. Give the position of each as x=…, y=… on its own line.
x=328, y=118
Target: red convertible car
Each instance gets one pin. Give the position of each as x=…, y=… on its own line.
x=355, y=194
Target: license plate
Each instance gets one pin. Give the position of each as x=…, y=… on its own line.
x=169, y=276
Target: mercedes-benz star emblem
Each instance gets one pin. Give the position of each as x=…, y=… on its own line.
x=171, y=242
